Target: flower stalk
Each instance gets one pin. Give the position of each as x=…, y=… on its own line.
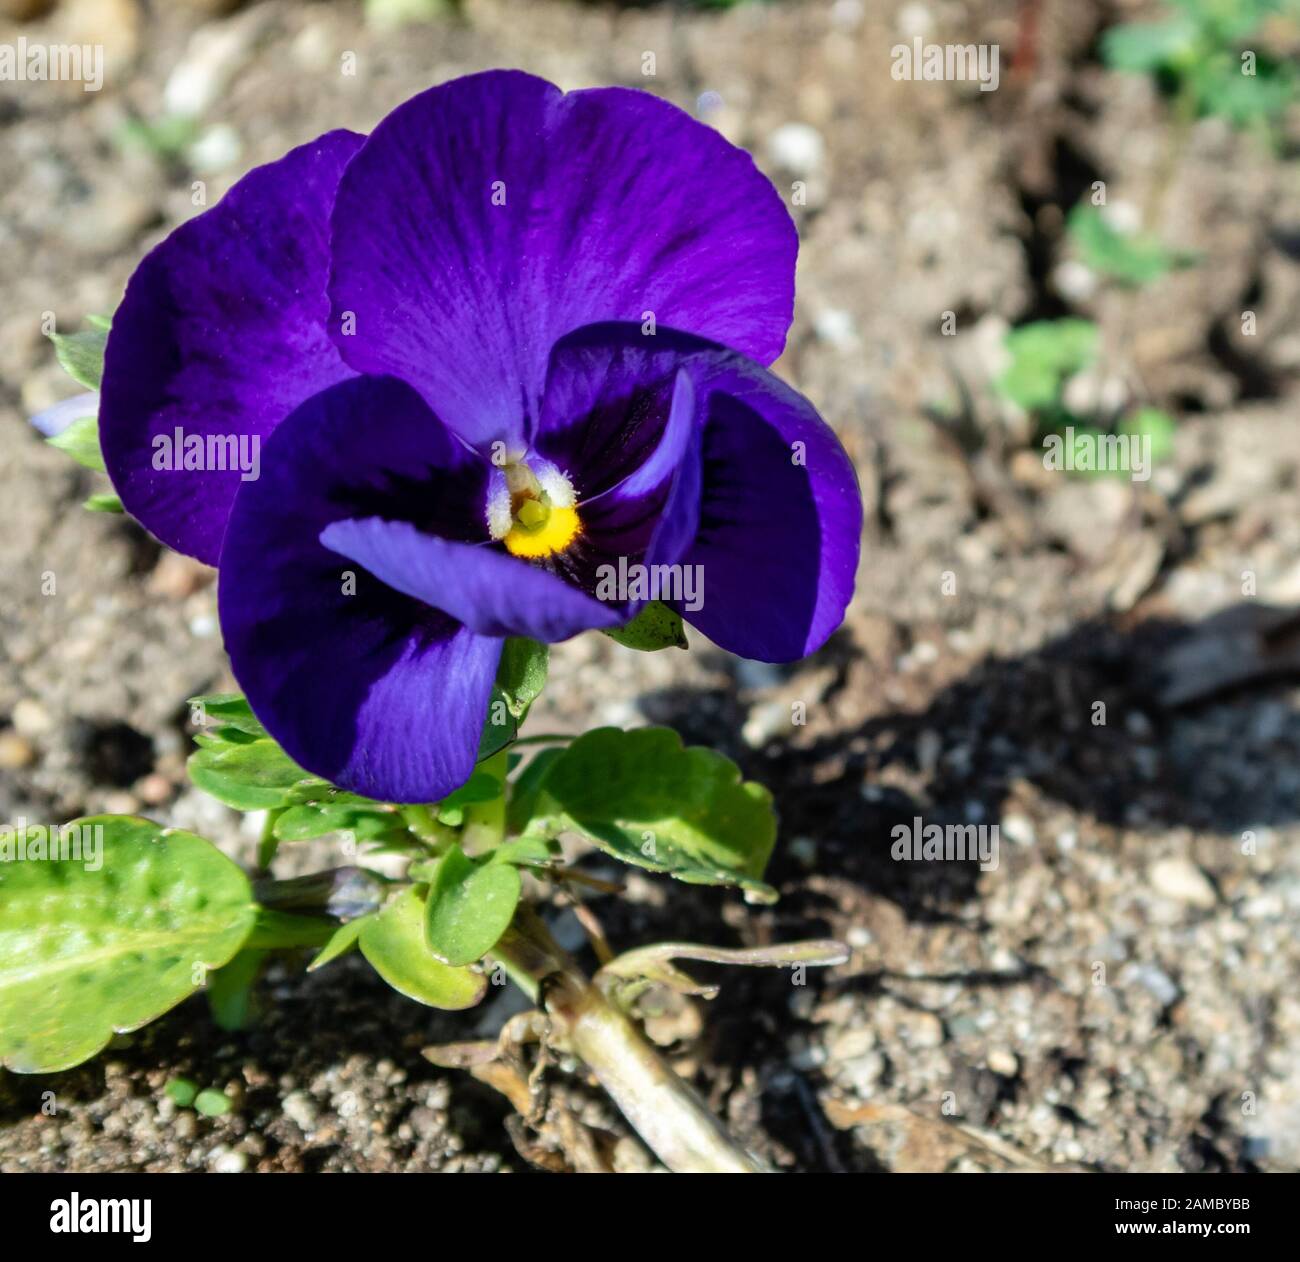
x=665, y=1111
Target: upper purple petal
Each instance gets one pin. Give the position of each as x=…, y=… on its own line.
x=487, y=217
x=222, y=332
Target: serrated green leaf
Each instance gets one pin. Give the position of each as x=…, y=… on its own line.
x=255, y=776
x=84, y=954
x=655, y=627
x=225, y=709
x=81, y=441
x=522, y=673
x=645, y=799
x=82, y=355
x=469, y=906
x=105, y=503
x=393, y=941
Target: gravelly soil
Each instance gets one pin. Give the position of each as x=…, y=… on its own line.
x=1120, y=991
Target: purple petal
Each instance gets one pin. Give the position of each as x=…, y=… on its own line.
x=485, y=218
x=54, y=420
x=222, y=333
x=491, y=592
x=764, y=500
x=361, y=684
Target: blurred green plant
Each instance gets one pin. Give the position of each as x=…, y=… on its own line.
x=1130, y=258
x=1044, y=356
x=1202, y=56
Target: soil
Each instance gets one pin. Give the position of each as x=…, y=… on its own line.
x=1104, y=669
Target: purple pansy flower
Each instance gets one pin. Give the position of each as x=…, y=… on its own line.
x=511, y=337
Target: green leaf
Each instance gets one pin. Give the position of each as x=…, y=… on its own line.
x=525, y=791
x=342, y=941
x=86, y=953
x=104, y=503
x=500, y=727
x=522, y=673
x=655, y=627
x=470, y=905
x=181, y=1092
x=645, y=799
x=308, y=820
x=81, y=441
x=212, y=1103
x=1130, y=258
x=224, y=709
x=82, y=355
x=482, y=786
x=526, y=851
x=254, y=776
x=393, y=942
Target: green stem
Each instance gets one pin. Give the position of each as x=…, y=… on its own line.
x=268, y=843
x=663, y=1109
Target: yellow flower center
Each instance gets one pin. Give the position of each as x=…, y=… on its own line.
x=539, y=527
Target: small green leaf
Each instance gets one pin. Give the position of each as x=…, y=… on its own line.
x=345, y=937
x=645, y=799
x=470, y=905
x=522, y=673
x=255, y=776
x=655, y=627
x=81, y=441
x=104, y=503
x=225, y=709
x=82, y=355
x=181, y=1092
x=85, y=953
x=212, y=1103
x=393, y=942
